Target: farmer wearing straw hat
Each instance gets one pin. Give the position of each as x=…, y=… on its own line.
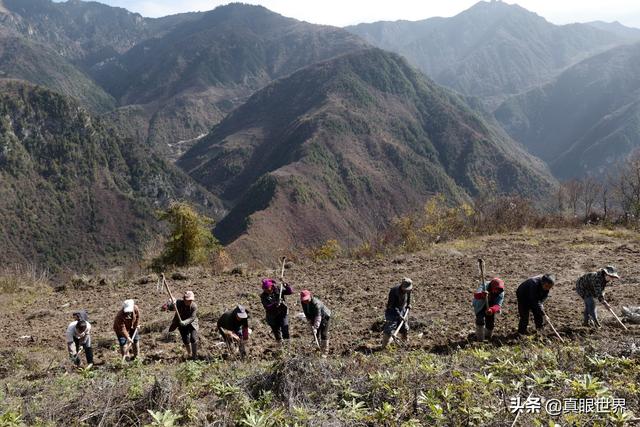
x=186, y=322
x=397, y=311
x=591, y=286
x=318, y=316
x=272, y=299
x=125, y=326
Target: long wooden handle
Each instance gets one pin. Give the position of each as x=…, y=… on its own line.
x=481, y=268
x=617, y=318
x=173, y=301
x=404, y=319
x=284, y=260
x=552, y=327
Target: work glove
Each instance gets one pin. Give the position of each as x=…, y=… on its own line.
x=408, y=307
x=129, y=341
x=184, y=323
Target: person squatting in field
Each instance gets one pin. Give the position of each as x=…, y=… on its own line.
x=531, y=294
x=591, y=286
x=233, y=326
x=487, y=302
x=318, y=316
x=125, y=325
x=186, y=321
x=397, y=311
x=277, y=312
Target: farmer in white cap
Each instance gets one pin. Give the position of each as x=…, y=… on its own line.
x=591, y=286
x=233, y=326
x=186, y=320
x=125, y=326
x=396, y=314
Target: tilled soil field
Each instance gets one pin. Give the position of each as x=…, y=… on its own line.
x=445, y=277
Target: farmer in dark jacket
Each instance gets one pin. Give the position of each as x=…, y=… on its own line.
x=233, y=326
x=275, y=307
x=491, y=292
x=531, y=296
x=187, y=323
x=591, y=286
x=318, y=316
x=398, y=306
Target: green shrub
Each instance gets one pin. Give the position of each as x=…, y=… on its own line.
x=191, y=241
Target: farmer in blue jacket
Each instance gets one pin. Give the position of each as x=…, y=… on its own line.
x=487, y=302
x=532, y=294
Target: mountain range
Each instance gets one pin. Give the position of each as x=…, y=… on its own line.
x=343, y=146
x=493, y=49
x=289, y=133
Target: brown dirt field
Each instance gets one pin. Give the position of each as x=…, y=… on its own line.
x=356, y=292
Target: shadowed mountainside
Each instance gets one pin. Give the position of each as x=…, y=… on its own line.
x=587, y=120
x=72, y=193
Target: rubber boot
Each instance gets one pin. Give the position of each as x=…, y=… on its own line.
x=488, y=333
x=386, y=338
x=324, y=347
x=187, y=347
x=135, y=350
x=194, y=350
x=480, y=333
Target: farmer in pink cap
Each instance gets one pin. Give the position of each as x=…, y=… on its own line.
x=186, y=320
x=272, y=298
x=487, y=303
x=318, y=316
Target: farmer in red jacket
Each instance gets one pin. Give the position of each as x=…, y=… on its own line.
x=487, y=302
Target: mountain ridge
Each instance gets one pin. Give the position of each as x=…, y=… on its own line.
x=491, y=50
x=362, y=138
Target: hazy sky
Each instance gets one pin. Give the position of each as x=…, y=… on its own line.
x=346, y=12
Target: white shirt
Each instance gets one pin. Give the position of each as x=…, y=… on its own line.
x=71, y=332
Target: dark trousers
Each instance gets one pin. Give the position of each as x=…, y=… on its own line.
x=323, y=331
x=392, y=321
x=188, y=333
x=279, y=326
x=524, y=308
x=486, y=320
x=88, y=350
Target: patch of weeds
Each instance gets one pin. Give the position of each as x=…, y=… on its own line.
x=11, y=418
x=190, y=372
x=163, y=418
